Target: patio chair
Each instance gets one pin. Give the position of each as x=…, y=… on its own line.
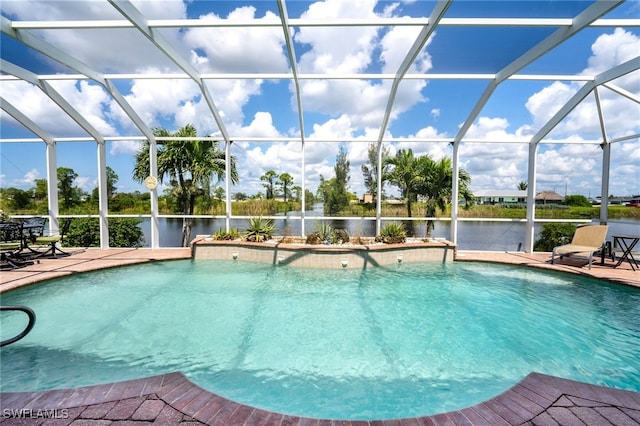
x=53, y=240
x=586, y=241
x=11, y=244
x=32, y=228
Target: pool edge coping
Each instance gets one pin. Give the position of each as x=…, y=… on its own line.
x=536, y=396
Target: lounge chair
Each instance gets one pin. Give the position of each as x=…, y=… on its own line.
x=586, y=241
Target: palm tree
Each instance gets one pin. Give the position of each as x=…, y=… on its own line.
x=522, y=186
x=434, y=181
x=269, y=178
x=190, y=167
x=286, y=180
x=403, y=174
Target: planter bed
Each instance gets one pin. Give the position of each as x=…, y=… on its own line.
x=293, y=251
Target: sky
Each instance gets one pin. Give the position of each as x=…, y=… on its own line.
x=334, y=110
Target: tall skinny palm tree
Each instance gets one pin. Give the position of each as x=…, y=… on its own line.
x=190, y=167
x=269, y=177
x=286, y=180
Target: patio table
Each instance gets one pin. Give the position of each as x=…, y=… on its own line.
x=627, y=244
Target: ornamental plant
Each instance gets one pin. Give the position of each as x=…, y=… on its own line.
x=222, y=234
x=259, y=229
x=392, y=233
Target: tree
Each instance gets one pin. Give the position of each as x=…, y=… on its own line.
x=286, y=180
x=16, y=199
x=68, y=193
x=434, y=181
x=240, y=196
x=269, y=177
x=577, y=200
x=190, y=167
x=297, y=192
x=323, y=189
x=112, y=181
x=218, y=193
x=403, y=173
x=370, y=171
x=522, y=186
x=335, y=193
x=41, y=191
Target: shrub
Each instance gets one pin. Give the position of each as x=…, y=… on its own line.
x=553, y=235
x=259, y=229
x=339, y=236
x=577, y=200
x=314, y=238
x=392, y=233
x=325, y=230
x=222, y=234
x=123, y=232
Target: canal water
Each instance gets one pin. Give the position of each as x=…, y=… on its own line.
x=489, y=236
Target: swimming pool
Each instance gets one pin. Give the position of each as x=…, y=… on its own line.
x=407, y=340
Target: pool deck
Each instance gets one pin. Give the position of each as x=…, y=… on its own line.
x=171, y=399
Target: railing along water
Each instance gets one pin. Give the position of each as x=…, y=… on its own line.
x=32, y=320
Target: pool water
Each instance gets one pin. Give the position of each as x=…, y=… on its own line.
x=386, y=342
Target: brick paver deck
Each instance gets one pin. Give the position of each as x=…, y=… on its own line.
x=171, y=399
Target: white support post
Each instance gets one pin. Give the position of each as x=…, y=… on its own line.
x=227, y=183
x=455, y=191
x=379, y=190
x=52, y=189
x=304, y=193
x=606, y=162
x=153, y=171
x=529, y=237
x=103, y=204
x=604, y=192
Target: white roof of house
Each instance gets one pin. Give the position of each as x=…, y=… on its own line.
x=500, y=193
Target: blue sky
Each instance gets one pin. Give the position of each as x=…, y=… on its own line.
x=334, y=109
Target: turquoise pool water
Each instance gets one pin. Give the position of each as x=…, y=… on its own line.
x=382, y=343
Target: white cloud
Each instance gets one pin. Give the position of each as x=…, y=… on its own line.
x=45, y=113
x=351, y=108
x=500, y=166
x=125, y=147
x=491, y=129
x=608, y=51
x=31, y=176
x=224, y=50
x=364, y=101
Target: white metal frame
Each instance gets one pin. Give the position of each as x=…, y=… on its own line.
x=23, y=31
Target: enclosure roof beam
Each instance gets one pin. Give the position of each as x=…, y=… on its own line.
x=54, y=95
x=130, y=12
x=619, y=90
x=309, y=76
x=49, y=50
x=284, y=17
x=26, y=121
x=58, y=55
x=605, y=77
x=436, y=15
x=302, y=22
x=581, y=21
